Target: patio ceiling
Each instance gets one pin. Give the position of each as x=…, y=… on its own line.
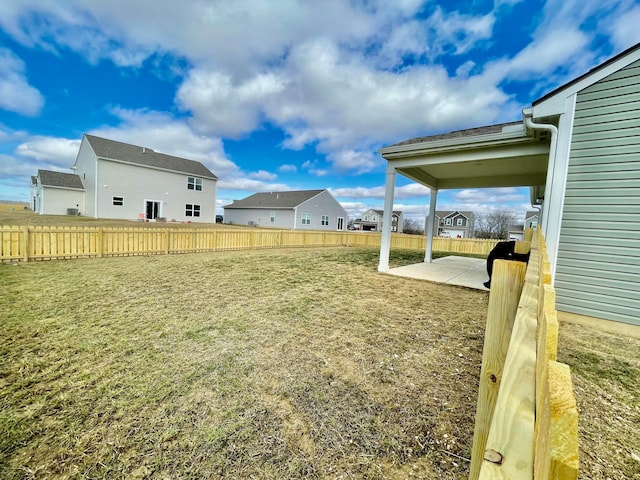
x=507, y=157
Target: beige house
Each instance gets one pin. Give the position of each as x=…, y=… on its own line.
x=117, y=180
x=578, y=149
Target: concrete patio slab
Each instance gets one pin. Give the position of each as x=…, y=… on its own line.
x=452, y=270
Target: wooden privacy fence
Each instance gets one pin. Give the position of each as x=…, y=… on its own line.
x=48, y=243
x=526, y=418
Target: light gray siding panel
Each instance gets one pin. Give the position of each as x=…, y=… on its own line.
x=616, y=94
x=603, y=192
x=604, y=106
x=605, y=164
x=607, y=277
x=599, y=242
x=599, y=207
x=592, y=224
x=598, y=266
x=611, y=142
x=611, y=150
x=618, y=128
x=590, y=262
x=608, y=115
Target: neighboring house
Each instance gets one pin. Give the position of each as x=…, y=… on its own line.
x=531, y=219
x=516, y=232
x=117, y=180
x=300, y=209
x=372, y=221
x=453, y=224
x=578, y=149
x=56, y=193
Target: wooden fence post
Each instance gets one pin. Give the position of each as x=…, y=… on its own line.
x=25, y=239
x=506, y=287
x=100, y=242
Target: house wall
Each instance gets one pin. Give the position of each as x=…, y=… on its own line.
x=56, y=201
x=284, y=218
x=598, y=258
x=85, y=168
x=137, y=184
x=321, y=204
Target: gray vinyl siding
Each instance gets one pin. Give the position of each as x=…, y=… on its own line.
x=598, y=267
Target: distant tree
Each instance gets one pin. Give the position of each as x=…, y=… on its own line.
x=495, y=225
x=412, y=227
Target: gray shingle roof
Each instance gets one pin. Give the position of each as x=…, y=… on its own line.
x=110, y=149
x=469, y=132
x=275, y=199
x=59, y=179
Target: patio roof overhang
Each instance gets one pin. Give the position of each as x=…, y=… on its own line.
x=512, y=157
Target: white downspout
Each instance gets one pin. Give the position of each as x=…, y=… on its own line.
x=529, y=123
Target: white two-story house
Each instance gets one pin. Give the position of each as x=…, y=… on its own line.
x=371, y=221
x=117, y=180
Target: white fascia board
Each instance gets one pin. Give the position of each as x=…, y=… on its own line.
x=460, y=155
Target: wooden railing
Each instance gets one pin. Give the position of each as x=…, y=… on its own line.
x=526, y=418
x=30, y=243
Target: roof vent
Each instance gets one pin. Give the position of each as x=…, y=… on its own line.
x=144, y=150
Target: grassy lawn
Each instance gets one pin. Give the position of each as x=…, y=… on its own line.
x=268, y=364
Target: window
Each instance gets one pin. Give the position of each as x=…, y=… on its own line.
x=272, y=217
x=459, y=222
x=306, y=219
x=119, y=201
x=449, y=221
x=374, y=218
x=192, y=210
x=194, y=183
x=366, y=218
x=325, y=220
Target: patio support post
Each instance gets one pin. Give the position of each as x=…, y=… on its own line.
x=433, y=195
x=385, y=241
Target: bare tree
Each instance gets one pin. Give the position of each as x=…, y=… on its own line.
x=412, y=227
x=495, y=225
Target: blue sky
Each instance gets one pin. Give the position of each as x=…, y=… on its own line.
x=287, y=94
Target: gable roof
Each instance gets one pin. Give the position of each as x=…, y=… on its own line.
x=60, y=180
x=124, y=152
x=289, y=199
x=448, y=213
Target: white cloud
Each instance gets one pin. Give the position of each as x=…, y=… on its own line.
x=624, y=28
x=60, y=152
x=411, y=190
x=16, y=95
x=263, y=175
x=222, y=108
x=287, y=168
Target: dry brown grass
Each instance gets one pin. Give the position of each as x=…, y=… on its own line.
x=264, y=364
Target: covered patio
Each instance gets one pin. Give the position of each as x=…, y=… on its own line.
x=515, y=154
x=452, y=270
